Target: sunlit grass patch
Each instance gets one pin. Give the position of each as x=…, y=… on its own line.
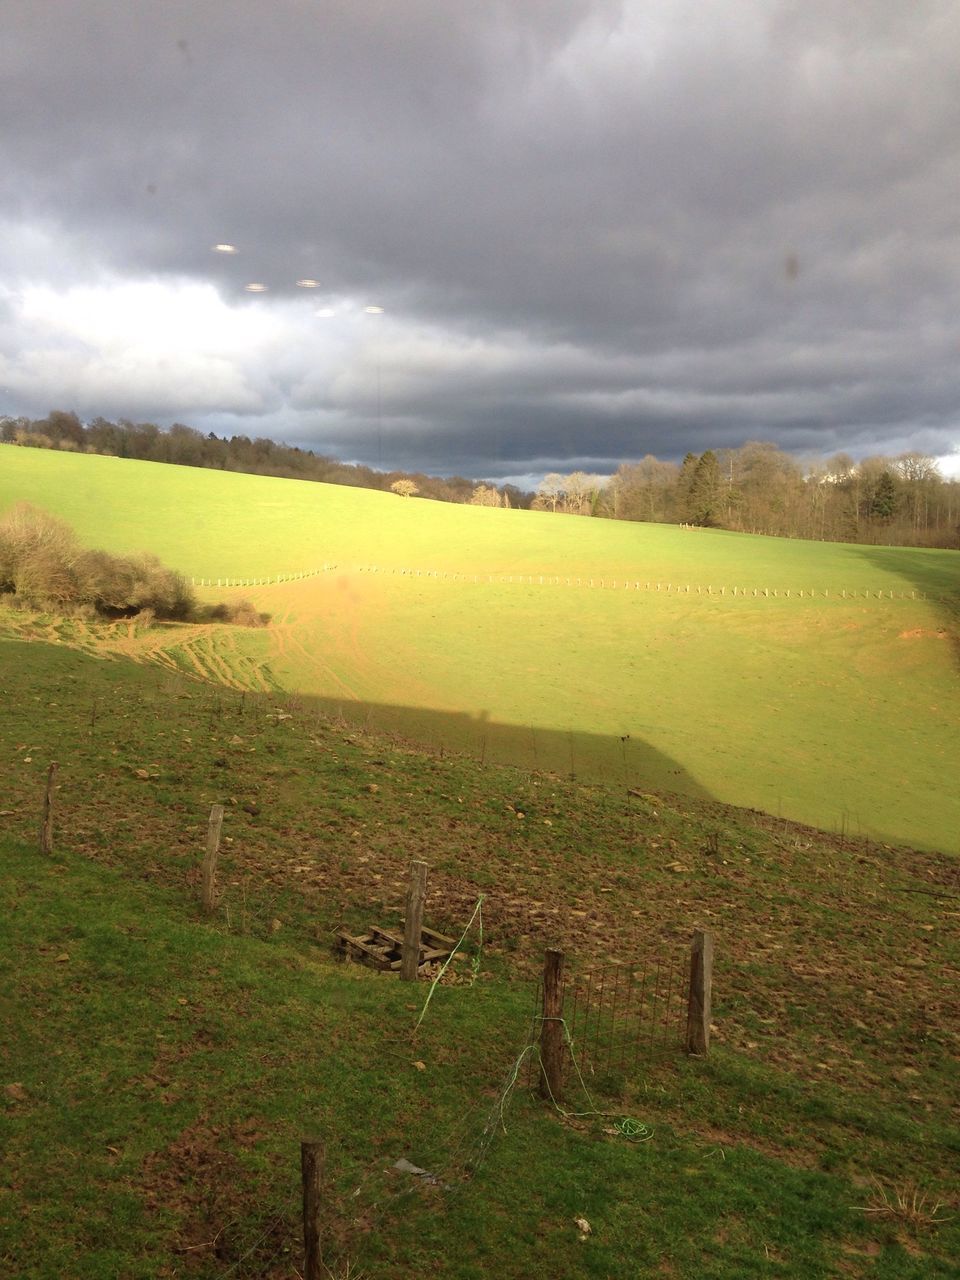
x=839, y=707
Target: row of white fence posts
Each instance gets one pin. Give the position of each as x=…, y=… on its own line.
x=231, y=581
x=766, y=592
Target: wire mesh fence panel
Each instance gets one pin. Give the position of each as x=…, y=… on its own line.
x=618, y=1016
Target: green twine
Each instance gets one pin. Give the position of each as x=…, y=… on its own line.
x=475, y=962
x=635, y=1130
x=443, y=969
x=626, y=1126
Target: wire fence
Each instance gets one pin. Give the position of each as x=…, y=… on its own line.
x=687, y=589
x=616, y=1017
x=231, y=580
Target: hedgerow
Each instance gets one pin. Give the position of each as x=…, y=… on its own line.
x=42, y=564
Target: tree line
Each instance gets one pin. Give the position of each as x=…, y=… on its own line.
x=187, y=447
x=755, y=488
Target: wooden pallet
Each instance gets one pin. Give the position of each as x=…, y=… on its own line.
x=384, y=950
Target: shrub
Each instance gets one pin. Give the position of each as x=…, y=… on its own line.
x=161, y=589
x=38, y=555
x=33, y=440
x=42, y=563
x=242, y=613
x=108, y=583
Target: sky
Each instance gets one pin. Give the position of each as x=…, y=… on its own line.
x=541, y=234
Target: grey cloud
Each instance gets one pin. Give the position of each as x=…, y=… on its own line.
x=623, y=227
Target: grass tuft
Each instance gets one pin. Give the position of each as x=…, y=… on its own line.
x=906, y=1204
x=345, y=1270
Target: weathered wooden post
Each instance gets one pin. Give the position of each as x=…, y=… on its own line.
x=46, y=822
x=551, y=1027
x=311, y=1171
x=208, y=891
x=701, y=992
x=413, y=922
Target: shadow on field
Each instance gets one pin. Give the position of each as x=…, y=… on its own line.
x=628, y=761
x=935, y=573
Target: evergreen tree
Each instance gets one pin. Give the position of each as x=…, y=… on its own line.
x=703, y=503
x=884, y=503
x=684, y=484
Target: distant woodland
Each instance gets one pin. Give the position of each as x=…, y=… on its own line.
x=755, y=488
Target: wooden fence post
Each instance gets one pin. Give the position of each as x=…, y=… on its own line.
x=311, y=1171
x=701, y=992
x=551, y=1027
x=208, y=892
x=413, y=922
x=46, y=822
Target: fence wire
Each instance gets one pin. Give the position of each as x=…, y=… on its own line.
x=620, y=1016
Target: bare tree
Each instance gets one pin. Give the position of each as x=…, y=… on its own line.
x=919, y=474
x=578, y=486
x=485, y=495
x=551, y=489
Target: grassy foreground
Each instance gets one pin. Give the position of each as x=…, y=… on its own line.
x=164, y=1068
x=839, y=708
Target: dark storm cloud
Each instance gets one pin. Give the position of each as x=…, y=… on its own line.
x=599, y=229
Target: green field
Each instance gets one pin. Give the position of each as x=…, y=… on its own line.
x=164, y=1066
x=840, y=707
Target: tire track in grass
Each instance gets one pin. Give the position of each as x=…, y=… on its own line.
x=245, y=668
x=184, y=648
x=285, y=649
x=202, y=652
x=335, y=615
x=293, y=649
x=292, y=652
x=246, y=671
x=206, y=655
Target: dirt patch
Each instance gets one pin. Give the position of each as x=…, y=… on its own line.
x=919, y=633
x=798, y=1157
x=216, y=1204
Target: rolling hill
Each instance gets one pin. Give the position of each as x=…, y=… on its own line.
x=813, y=681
